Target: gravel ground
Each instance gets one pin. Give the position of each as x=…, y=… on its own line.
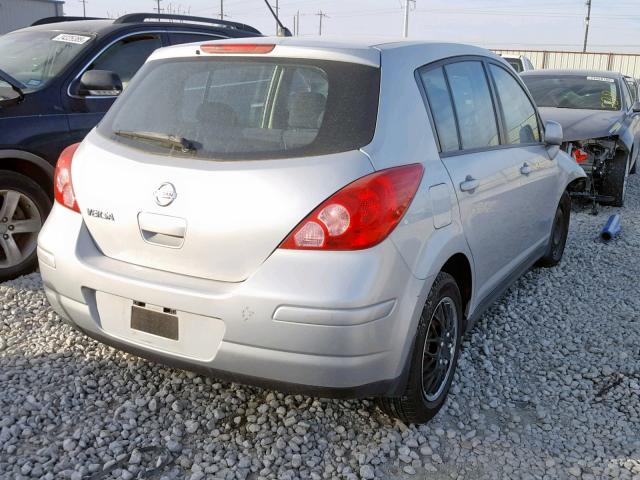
x=548, y=386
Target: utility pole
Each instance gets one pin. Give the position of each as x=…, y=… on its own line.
x=84, y=8
x=158, y=8
x=407, y=4
x=322, y=15
x=277, y=15
x=586, y=26
x=221, y=9
x=296, y=23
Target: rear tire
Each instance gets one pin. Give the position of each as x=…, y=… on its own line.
x=614, y=184
x=24, y=206
x=434, y=356
x=559, y=234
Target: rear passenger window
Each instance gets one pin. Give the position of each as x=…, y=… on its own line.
x=441, y=108
x=518, y=112
x=473, y=105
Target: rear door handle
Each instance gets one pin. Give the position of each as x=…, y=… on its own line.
x=525, y=169
x=469, y=184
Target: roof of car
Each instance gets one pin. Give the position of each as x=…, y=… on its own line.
x=355, y=43
x=364, y=50
x=578, y=72
x=106, y=26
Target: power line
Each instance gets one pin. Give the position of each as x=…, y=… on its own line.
x=321, y=15
x=586, y=26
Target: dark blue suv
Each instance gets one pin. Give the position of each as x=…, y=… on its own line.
x=57, y=79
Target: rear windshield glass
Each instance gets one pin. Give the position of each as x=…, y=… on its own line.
x=35, y=57
x=246, y=108
x=568, y=91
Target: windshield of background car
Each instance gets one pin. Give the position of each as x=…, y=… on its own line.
x=569, y=91
x=247, y=108
x=35, y=57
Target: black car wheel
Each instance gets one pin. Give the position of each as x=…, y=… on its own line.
x=434, y=356
x=24, y=205
x=614, y=183
x=559, y=233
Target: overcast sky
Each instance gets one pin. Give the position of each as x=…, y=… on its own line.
x=541, y=24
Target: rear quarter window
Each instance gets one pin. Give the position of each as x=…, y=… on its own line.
x=441, y=107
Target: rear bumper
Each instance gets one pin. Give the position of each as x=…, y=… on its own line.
x=335, y=324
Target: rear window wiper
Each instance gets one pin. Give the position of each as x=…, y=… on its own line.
x=162, y=138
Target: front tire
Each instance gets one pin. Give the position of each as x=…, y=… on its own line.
x=24, y=206
x=614, y=184
x=559, y=233
x=434, y=356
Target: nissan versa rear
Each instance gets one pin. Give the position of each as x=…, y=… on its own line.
x=317, y=217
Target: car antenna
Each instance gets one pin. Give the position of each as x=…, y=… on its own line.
x=282, y=30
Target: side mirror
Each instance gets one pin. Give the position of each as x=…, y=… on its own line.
x=100, y=83
x=635, y=108
x=553, y=133
x=9, y=95
x=553, y=137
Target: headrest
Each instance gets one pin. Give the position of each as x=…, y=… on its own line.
x=306, y=110
x=216, y=113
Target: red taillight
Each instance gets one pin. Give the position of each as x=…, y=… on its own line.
x=249, y=48
x=62, y=185
x=360, y=215
x=580, y=155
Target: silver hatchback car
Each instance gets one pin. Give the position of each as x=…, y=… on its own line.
x=314, y=216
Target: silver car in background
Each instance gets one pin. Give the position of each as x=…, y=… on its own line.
x=315, y=216
x=600, y=117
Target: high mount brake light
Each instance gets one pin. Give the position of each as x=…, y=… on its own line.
x=360, y=215
x=62, y=185
x=238, y=48
x=579, y=155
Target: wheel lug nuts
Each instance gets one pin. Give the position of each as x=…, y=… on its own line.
x=5, y=236
x=5, y=219
x=11, y=227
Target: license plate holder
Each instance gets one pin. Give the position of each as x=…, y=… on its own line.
x=156, y=323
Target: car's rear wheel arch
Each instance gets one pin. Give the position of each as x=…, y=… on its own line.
x=459, y=267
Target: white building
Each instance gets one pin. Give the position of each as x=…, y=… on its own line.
x=16, y=14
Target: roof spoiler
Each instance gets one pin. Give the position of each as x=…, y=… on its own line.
x=141, y=17
x=47, y=20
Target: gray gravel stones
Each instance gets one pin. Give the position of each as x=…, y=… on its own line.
x=548, y=386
